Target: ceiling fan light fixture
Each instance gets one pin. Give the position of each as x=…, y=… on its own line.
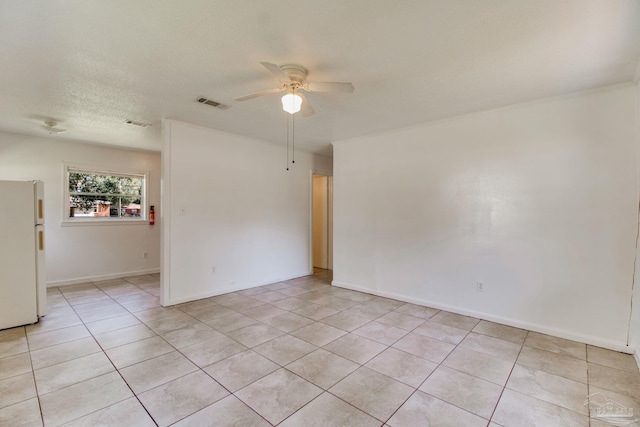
x=291, y=103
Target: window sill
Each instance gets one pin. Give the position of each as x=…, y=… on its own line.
x=89, y=222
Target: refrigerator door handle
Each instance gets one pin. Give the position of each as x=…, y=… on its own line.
x=40, y=264
x=40, y=209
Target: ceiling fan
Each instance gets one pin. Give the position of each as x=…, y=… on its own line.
x=293, y=80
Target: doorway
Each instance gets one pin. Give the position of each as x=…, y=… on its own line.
x=322, y=221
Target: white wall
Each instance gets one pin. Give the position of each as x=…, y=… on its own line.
x=76, y=254
x=229, y=203
x=537, y=201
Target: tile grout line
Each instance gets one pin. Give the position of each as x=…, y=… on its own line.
x=200, y=369
x=434, y=369
x=33, y=374
x=214, y=328
x=283, y=366
x=272, y=303
x=389, y=346
x=320, y=347
x=248, y=348
x=504, y=387
x=108, y=358
x=29, y=350
x=373, y=357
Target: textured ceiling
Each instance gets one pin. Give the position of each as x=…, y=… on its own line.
x=92, y=64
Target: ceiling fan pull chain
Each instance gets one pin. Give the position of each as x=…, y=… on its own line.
x=293, y=139
x=288, y=141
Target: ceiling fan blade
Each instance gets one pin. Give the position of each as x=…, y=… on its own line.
x=330, y=87
x=277, y=72
x=264, y=92
x=306, y=109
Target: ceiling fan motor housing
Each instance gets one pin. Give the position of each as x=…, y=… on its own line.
x=296, y=73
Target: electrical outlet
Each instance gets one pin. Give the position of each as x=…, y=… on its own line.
x=213, y=269
x=479, y=286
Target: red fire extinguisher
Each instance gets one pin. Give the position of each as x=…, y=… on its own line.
x=152, y=215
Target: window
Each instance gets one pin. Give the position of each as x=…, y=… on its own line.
x=104, y=196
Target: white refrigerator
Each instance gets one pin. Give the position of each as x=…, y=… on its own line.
x=23, y=288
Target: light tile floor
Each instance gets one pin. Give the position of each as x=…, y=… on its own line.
x=294, y=353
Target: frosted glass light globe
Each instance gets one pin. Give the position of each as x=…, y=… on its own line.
x=291, y=103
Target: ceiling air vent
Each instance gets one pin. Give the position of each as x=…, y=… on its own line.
x=212, y=103
x=140, y=124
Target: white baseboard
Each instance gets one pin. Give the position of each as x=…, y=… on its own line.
x=55, y=283
x=223, y=291
x=560, y=333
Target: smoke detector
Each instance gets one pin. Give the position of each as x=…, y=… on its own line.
x=50, y=126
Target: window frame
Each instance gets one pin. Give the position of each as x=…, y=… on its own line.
x=67, y=220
